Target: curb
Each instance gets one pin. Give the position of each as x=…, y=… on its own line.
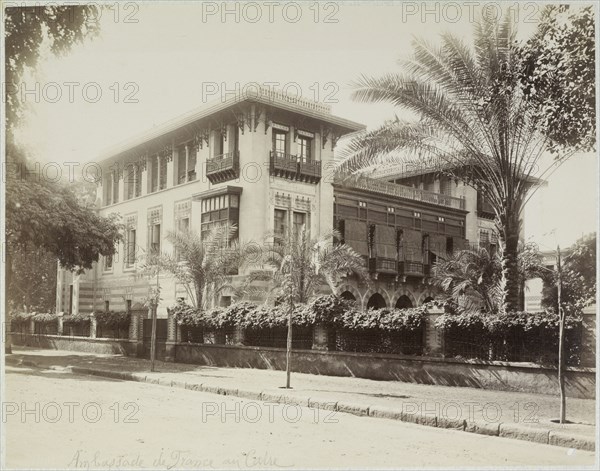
x=496, y=429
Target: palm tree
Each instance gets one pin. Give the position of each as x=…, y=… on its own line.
x=475, y=124
x=472, y=278
x=302, y=265
x=203, y=263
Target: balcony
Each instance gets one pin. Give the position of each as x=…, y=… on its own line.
x=484, y=207
x=383, y=265
x=410, y=268
x=400, y=191
x=291, y=167
x=223, y=167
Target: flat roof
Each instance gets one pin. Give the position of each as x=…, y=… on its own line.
x=261, y=95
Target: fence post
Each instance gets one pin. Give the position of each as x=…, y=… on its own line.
x=93, y=326
x=239, y=336
x=434, y=341
x=320, y=337
x=588, y=337
x=60, y=327
x=171, y=342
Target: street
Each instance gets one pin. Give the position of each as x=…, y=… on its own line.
x=55, y=419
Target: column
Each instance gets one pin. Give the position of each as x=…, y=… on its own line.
x=171, y=337
x=320, y=337
x=239, y=335
x=433, y=338
x=93, y=326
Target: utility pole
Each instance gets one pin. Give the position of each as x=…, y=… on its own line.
x=154, y=308
x=288, y=350
x=561, y=340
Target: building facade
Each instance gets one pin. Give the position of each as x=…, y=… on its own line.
x=266, y=163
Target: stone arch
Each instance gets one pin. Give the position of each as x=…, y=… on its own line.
x=404, y=292
x=346, y=288
x=348, y=296
x=384, y=294
x=426, y=297
x=404, y=302
x=376, y=301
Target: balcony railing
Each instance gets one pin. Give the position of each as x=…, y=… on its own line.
x=383, y=265
x=410, y=268
x=400, y=191
x=293, y=168
x=223, y=167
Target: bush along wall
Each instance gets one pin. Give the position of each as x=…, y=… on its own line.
x=384, y=331
x=77, y=325
x=112, y=324
x=514, y=336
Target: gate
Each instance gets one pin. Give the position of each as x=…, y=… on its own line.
x=161, y=338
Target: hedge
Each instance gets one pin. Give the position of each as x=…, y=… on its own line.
x=513, y=336
x=330, y=310
x=113, y=319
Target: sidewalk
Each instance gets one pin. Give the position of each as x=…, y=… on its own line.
x=497, y=413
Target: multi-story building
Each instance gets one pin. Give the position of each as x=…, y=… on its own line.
x=266, y=163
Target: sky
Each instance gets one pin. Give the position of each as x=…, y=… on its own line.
x=154, y=61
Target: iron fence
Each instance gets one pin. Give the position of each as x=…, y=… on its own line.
x=376, y=341
x=302, y=337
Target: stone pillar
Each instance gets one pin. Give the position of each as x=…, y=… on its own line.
x=31, y=326
x=239, y=336
x=59, y=329
x=434, y=340
x=588, y=337
x=179, y=337
x=320, y=337
x=93, y=326
x=171, y=342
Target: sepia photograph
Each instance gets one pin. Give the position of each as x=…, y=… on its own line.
x=265, y=235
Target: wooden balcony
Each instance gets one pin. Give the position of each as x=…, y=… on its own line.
x=484, y=207
x=410, y=268
x=223, y=167
x=291, y=167
x=383, y=265
x=400, y=191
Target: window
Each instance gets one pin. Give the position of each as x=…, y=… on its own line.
x=449, y=245
x=108, y=263
x=341, y=227
x=108, y=190
x=400, y=244
x=304, y=148
x=280, y=141
x=130, y=247
x=280, y=219
x=371, y=240
x=115, y=187
x=181, y=164
x=155, y=238
x=425, y=248
x=106, y=306
x=191, y=166
x=299, y=221
x=220, y=209
x=183, y=224
x=484, y=237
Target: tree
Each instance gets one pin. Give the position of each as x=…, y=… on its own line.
x=39, y=213
x=203, y=263
x=33, y=284
x=472, y=279
x=301, y=265
x=476, y=123
x=578, y=278
x=558, y=73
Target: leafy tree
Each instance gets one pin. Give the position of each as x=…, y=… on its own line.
x=476, y=123
x=33, y=284
x=578, y=278
x=558, y=73
x=41, y=213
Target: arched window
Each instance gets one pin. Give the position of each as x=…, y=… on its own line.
x=404, y=302
x=347, y=295
x=376, y=301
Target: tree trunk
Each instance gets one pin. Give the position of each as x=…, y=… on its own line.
x=7, y=322
x=510, y=268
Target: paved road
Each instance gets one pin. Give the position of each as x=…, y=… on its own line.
x=59, y=420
